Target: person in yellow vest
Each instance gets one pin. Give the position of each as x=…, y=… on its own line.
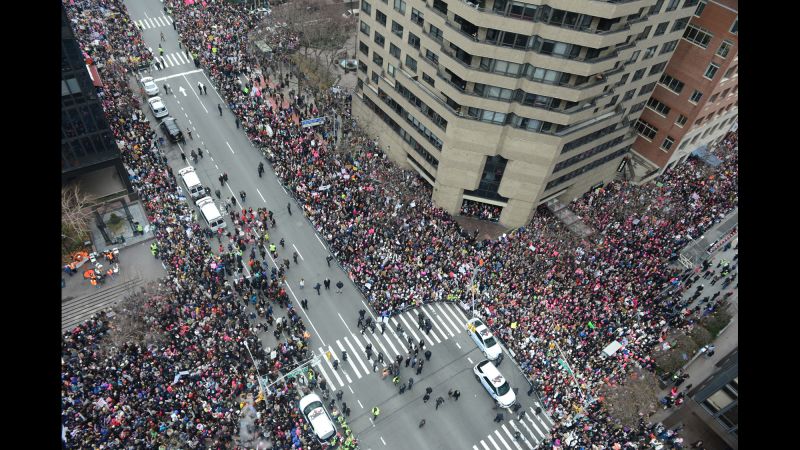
x=376, y=411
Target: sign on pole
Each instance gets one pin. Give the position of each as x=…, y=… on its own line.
x=312, y=122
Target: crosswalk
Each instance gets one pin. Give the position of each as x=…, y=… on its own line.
x=448, y=320
x=155, y=22
x=533, y=430
x=173, y=59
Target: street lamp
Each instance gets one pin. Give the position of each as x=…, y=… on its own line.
x=260, y=383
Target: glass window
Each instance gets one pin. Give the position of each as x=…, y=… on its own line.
x=427, y=79
x=711, y=71
x=700, y=7
x=724, y=48
x=397, y=29
x=380, y=17
x=696, y=96
x=394, y=50
x=377, y=59
x=417, y=17
x=681, y=120
x=411, y=63
x=661, y=28
x=364, y=28
x=413, y=39
x=718, y=401
x=649, y=52
x=668, y=143
x=697, y=35
x=379, y=39
x=735, y=26
x=366, y=7
x=400, y=6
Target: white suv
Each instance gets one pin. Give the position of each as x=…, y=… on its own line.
x=312, y=408
x=494, y=383
x=484, y=339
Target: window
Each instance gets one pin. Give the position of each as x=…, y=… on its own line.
x=628, y=95
x=661, y=29
x=658, y=68
x=700, y=7
x=638, y=74
x=647, y=88
x=656, y=8
x=411, y=63
x=390, y=69
x=689, y=3
x=380, y=17
x=362, y=67
x=681, y=120
x=366, y=7
x=730, y=72
x=698, y=36
x=397, y=29
x=680, y=24
x=379, y=39
x=417, y=17
x=394, y=50
x=493, y=117
x=672, y=5
x=634, y=57
x=364, y=28
x=413, y=39
x=719, y=400
x=433, y=57
x=673, y=84
x=637, y=107
x=375, y=77
x=713, y=98
x=711, y=71
x=649, y=52
x=363, y=48
x=646, y=130
x=724, y=48
x=435, y=33
x=377, y=59
x=400, y=6
x=427, y=79
x=725, y=93
x=735, y=26
x=658, y=107
x=696, y=96
x=645, y=33
x=668, y=47
x=667, y=144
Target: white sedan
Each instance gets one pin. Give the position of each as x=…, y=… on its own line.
x=158, y=107
x=484, y=339
x=312, y=408
x=150, y=86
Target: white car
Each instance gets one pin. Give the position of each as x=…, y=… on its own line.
x=150, y=86
x=484, y=339
x=158, y=107
x=494, y=383
x=322, y=424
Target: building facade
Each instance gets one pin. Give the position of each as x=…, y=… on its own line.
x=696, y=100
x=511, y=103
x=88, y=148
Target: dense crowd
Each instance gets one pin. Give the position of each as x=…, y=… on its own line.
x=483, y=211
x=549, y=292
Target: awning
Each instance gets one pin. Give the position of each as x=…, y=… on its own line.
x=708, y=158
x=94, y=75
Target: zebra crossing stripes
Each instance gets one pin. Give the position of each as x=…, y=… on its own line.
x=173, y=59
x=154, y=22
x=533, y=430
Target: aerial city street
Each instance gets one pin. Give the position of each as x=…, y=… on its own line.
x=281, y=278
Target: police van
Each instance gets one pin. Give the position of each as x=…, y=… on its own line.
x=211, y=214
x=192, y=182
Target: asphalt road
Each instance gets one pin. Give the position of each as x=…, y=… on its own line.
x=331, y=317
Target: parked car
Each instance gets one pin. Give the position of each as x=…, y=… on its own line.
x=312, y=408
x=349, y=65
x=494, y=383
x=158, y=107
x=150, y=86
x=170, y=128
x=484, y=339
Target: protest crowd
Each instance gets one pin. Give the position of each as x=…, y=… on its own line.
x=544, y=291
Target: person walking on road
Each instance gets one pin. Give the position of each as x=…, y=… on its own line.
x=375, y=412
x=499, y=417
x=317, y=287
x=163, y=39
x=329, y=258
x=219, y=107
x=456, y=394
x=200, y=152
x=302, y=283
x=439, y=401
x=422, y=423
x=289, y=208
x=339, y=286
x=205, y=90
x=189, y=131
x=260, y=169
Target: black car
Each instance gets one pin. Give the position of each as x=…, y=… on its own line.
x=170, y=128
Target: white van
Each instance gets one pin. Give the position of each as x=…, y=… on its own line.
x=211, y=214
x=192, y=182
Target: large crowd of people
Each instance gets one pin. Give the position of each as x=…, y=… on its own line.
x=548, y=293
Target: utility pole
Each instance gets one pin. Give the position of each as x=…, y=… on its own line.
x=566, y=364
x=473, y=288
x=247, y=346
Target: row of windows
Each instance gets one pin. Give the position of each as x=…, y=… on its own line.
x=423, y=130
x=571, y=145
x=518, y=70
x=540, y=45
x=426, y=155
x=586, y=168
x=697, y=35
x=414, y=100
x=673, y=84
x=591, y=152
x=658, y=107
x=520, y=96
x=646, y=130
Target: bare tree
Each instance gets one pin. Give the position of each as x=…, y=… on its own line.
x=132, y=319
x=75, y=218
x=682, y=347
x=321, y=28
x=633, y=398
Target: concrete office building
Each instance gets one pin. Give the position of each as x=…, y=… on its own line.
x=511, y=103
x=696, y=100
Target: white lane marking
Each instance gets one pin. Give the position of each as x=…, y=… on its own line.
x=460, y=313
x=352, y=354
x=333, y=356
x=475, y=447
x=402, y=340
x=177, y=75
x=500, y=437
x=198, y=98
x=447, y=316
x=409, y=328
x=168, y=19
x=341, y=366
x=441, y=316
x=389, y=341
x=484, y=445
x=428, y=341
x=298, y=253
x=322, y=352
x=539, y=433
x=356, y=354
x=492, y=441
x=325, y=374
x=359, y=403
x=469, y=359
x=386, y=353
x=545, y=416
x=511, y=437
x=436, y=325
x=262, y=197
x=320, y=241
x=384, y=442
x=351, y=389
x=216, y=166
x=160, y=21
x=229, y=147
x=297, y=302
x=533, y=435
x=345, y=323
x=458, y=345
